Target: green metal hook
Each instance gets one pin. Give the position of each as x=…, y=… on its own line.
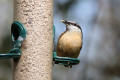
x=18, y=34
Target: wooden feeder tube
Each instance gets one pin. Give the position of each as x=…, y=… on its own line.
x=35, y=62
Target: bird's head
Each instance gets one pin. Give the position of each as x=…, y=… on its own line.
x=70, y=26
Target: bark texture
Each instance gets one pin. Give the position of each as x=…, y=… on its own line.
x=36, y=59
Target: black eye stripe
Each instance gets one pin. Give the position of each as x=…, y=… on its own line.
x=74, y=24
x=70, y=23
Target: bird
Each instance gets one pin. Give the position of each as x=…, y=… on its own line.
x=70, y=42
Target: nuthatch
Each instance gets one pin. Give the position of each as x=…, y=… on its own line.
x=70, y=42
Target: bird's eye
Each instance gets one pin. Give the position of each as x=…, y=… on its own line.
x=68, y=22
x=75, y=24
x=72, y=24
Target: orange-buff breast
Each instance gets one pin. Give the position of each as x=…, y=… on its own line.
x=69, y=44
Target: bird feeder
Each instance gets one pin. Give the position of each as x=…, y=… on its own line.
x=66, y=61
x=18, y=34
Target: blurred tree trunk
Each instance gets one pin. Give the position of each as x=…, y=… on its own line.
x=36, y=59
x=106, y=43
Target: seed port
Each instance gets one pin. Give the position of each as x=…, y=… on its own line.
x=18, y=34
x=17, y=30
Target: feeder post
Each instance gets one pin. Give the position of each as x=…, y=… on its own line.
x=35, y=62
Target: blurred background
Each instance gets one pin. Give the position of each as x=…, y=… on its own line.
x=100, y=22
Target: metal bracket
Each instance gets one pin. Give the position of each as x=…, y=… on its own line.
x=66, y=61
x=18, y=34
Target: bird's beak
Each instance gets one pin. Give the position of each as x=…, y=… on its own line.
x=63, y=21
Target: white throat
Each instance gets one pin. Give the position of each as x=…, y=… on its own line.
x=73, y=28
